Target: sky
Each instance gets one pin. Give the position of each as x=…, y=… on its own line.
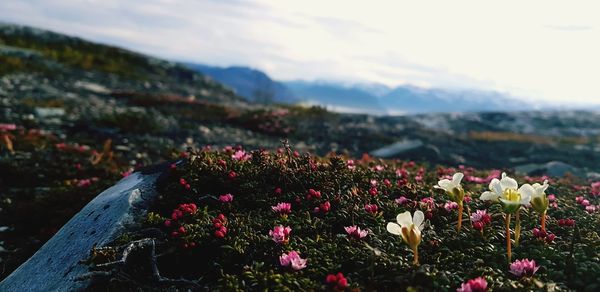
x=542, y=51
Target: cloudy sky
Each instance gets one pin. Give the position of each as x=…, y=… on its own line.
x=539, y=50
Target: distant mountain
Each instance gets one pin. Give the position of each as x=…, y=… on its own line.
x=337, y=97
x=379, y=99
x=408, y=99
x=250, y=83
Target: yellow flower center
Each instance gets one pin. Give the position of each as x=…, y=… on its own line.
x=512, y=195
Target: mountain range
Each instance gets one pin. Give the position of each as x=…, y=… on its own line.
x=370, y=98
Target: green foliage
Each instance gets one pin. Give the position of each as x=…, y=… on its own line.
x=247, y=258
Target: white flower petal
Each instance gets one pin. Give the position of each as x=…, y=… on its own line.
x=418, y=219
x=489, y=196
x=394, y=228
x=457, y=177
x=527, y=192
x=446, y=184
x=495, y=186
x=404, y=219
x=508, y=183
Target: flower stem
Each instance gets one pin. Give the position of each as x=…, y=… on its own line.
x=508, y=243
x=416, y=256
x=460, y=214
x=544, y=221
x=517, y=227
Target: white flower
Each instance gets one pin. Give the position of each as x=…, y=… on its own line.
x=507, y=191
x=407, y=227
x=539, y=201
x=452, y=187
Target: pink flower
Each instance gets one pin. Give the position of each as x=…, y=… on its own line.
x=585, y=203
x=280, y=234
x=232, y=174
x=127, y=173
x=373, y=191
x=282, y=208
x=543, y=235
x=373, y=182
x=241, y=155
x=278, y=191
x=371, y=208
x=449, y=206
x=480, y=219
x=226, y=198
x=355, y=232
x=427, y=203
x=474, y=285
x=579, y=199
x=312, y=193
x=378, y=168
x=8, y=127
x=402, y=200
x=387, y=182
x=596, y=188
x=325, y=207
x=350, y=164
x=523, y=268
x=566, y=222
x=552, y=197
x=292, y=259
x=84, y=183
x=337, y=282
x=590, y=208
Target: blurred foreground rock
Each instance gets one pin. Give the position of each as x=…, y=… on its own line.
x=60, y=264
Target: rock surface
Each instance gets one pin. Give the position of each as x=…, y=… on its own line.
x=58, y=265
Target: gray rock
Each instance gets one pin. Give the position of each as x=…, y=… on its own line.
x=552, y=168
x=397, y=148
x=58, y=266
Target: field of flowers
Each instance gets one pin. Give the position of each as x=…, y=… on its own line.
x=235, y=220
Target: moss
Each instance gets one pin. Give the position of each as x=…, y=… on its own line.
x=247, y=259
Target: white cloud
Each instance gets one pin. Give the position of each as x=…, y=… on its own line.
x=543, y=50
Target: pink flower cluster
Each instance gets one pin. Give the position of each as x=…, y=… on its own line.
x=596, y=188
x=523, y=268
x=355, y=232
x=226, y=198
x=241, y=155
x=478, y=284
x=337, y=282
x=182, y=210
x=350, y=164
x=282, y=208
x=8, y=127
x=313, y=194
x=543, y=235
x=480, y=219
x=323, y=208
x=450, y=205
x=586, y=203
x=83, y=183
x=566, y=222
x=220, y=225
x=184, y=183
x=552, y=200
x=280, y=234
x=402, y=200
x=371, y=208
x=293, y=260
x=373, y=191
